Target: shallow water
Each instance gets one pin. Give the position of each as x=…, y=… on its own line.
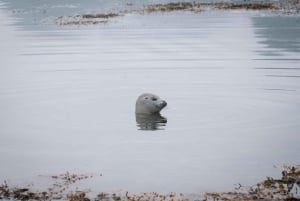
x=231, y=80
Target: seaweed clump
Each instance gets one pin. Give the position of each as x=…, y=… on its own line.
x=246, y=6
x=58, y=191
x=86, y=19
x=104, y=16
x=197, y=6
x=169, y=7
x=285, y=188
x=15, y=193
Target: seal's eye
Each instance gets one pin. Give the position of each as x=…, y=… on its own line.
x=154, y=99
x=146, y=97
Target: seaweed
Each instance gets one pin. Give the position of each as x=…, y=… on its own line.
x=284, y=188
x=291, y=6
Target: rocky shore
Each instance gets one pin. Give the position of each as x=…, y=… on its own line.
x=285, y=188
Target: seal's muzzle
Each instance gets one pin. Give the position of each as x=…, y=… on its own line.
x=162, y=104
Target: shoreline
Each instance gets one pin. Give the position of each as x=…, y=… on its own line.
x=284, y=188
x=291, y=7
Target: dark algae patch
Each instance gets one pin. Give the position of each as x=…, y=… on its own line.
x=86, y=19
x=105, y=16
x=169, y=7
x=247, y=6
x=196, y=7
x=286, y=188
x=290, y=6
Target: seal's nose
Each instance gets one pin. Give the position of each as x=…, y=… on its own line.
x=163, y=104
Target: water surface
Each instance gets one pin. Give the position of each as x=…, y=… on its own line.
x=67, y=97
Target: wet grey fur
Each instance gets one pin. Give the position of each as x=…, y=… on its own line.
x=149, y=104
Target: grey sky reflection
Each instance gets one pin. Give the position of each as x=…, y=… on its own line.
x=281, y=33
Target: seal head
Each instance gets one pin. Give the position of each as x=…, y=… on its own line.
x=149, y=104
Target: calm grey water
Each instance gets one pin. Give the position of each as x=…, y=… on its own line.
x=67, y=96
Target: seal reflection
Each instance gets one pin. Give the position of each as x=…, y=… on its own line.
x=150, y=122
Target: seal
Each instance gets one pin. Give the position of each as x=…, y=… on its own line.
x=148, y=103
x=150, y=122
